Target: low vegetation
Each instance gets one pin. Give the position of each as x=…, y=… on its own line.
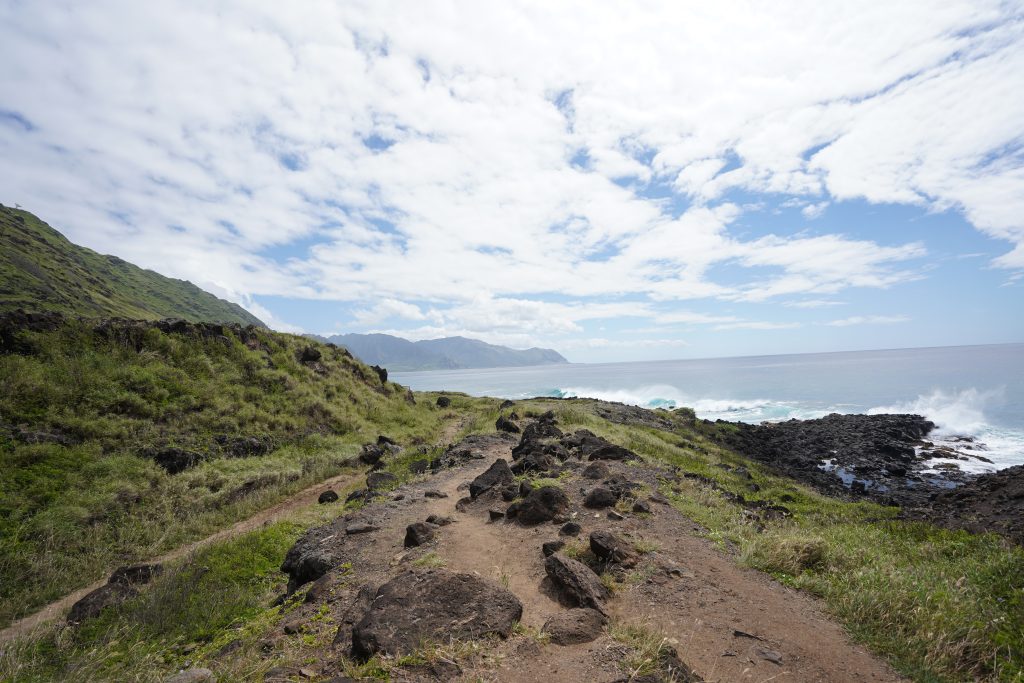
x=40, y=270
x=940, y=605
x=88, y=409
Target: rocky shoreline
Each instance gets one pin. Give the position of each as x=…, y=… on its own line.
x=890, y=460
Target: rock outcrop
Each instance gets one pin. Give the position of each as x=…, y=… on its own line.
x=434, y=605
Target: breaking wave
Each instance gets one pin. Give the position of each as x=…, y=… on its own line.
x=956, y=414
x=962, y=414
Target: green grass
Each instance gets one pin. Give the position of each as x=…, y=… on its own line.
x=41, y=270
x=69, y=514
x=220, y=594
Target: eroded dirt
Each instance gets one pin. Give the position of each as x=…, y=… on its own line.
x=726, y=622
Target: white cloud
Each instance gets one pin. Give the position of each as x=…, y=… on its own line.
x=813, y=303
x=484, y=159
x=869, y=320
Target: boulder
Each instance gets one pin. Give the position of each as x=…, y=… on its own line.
x=596, y=470
x=371, y=453
x=600, y=497
x=443, y=402
x=120, y=587
x=310, y=354
x=576, y=582
x=174, y=460
x=535, y=431
x=419, y=466
x=574, y=626
x=433, y=605
x=93, y=604
x=542, y=505
x=612, y=452
x=503, y=424
x=376, y=481
x=382, y=373
x=327, y=496
x=611, y=548
x=309, y=558
x=552, y=547
x=418, y=533
x=533, y=462
x=570, y=529
x=497, y=474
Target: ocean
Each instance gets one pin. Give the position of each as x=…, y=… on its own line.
x=975, y=391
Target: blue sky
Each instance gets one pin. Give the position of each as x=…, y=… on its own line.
x=616, y=182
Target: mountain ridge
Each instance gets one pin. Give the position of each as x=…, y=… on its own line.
x=42, y=270
x=446, y=353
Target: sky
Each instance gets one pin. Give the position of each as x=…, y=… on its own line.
x=618, y=181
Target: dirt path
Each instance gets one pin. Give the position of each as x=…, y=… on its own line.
x=303, y=498
x=728, y=623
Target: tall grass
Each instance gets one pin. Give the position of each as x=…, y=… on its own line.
x=86, y=498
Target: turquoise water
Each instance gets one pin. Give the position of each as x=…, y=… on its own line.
x=973, y=391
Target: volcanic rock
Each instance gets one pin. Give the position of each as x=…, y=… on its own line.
x=434, y=605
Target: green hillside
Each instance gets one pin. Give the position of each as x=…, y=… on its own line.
x=41, y=270
x=120, y=439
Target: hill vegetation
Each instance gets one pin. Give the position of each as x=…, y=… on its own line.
x=402, y=355
x=119, y=440
x=40, y=270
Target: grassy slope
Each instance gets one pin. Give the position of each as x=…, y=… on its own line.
x=41, y=270
x=941, y=605
x=71, y=513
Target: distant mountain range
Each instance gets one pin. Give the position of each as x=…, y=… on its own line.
x=40, y=270
x=402, y=355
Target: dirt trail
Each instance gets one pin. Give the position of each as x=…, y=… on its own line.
x=699, y=611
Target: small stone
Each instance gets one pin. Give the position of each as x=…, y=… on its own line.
x=360, y=528
x=600, y=497
x=615, y=516
x=434, y=493
x=495, y=515
x=503, y=424
x=769, y=655
x=574, y=626
x=611, y=548
x=196, y=675
x=439, y=520
x=570, y=529
x=417, y=534
x=327, y=496
x=552, y=547
x=596, y=470
x=641, y=506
